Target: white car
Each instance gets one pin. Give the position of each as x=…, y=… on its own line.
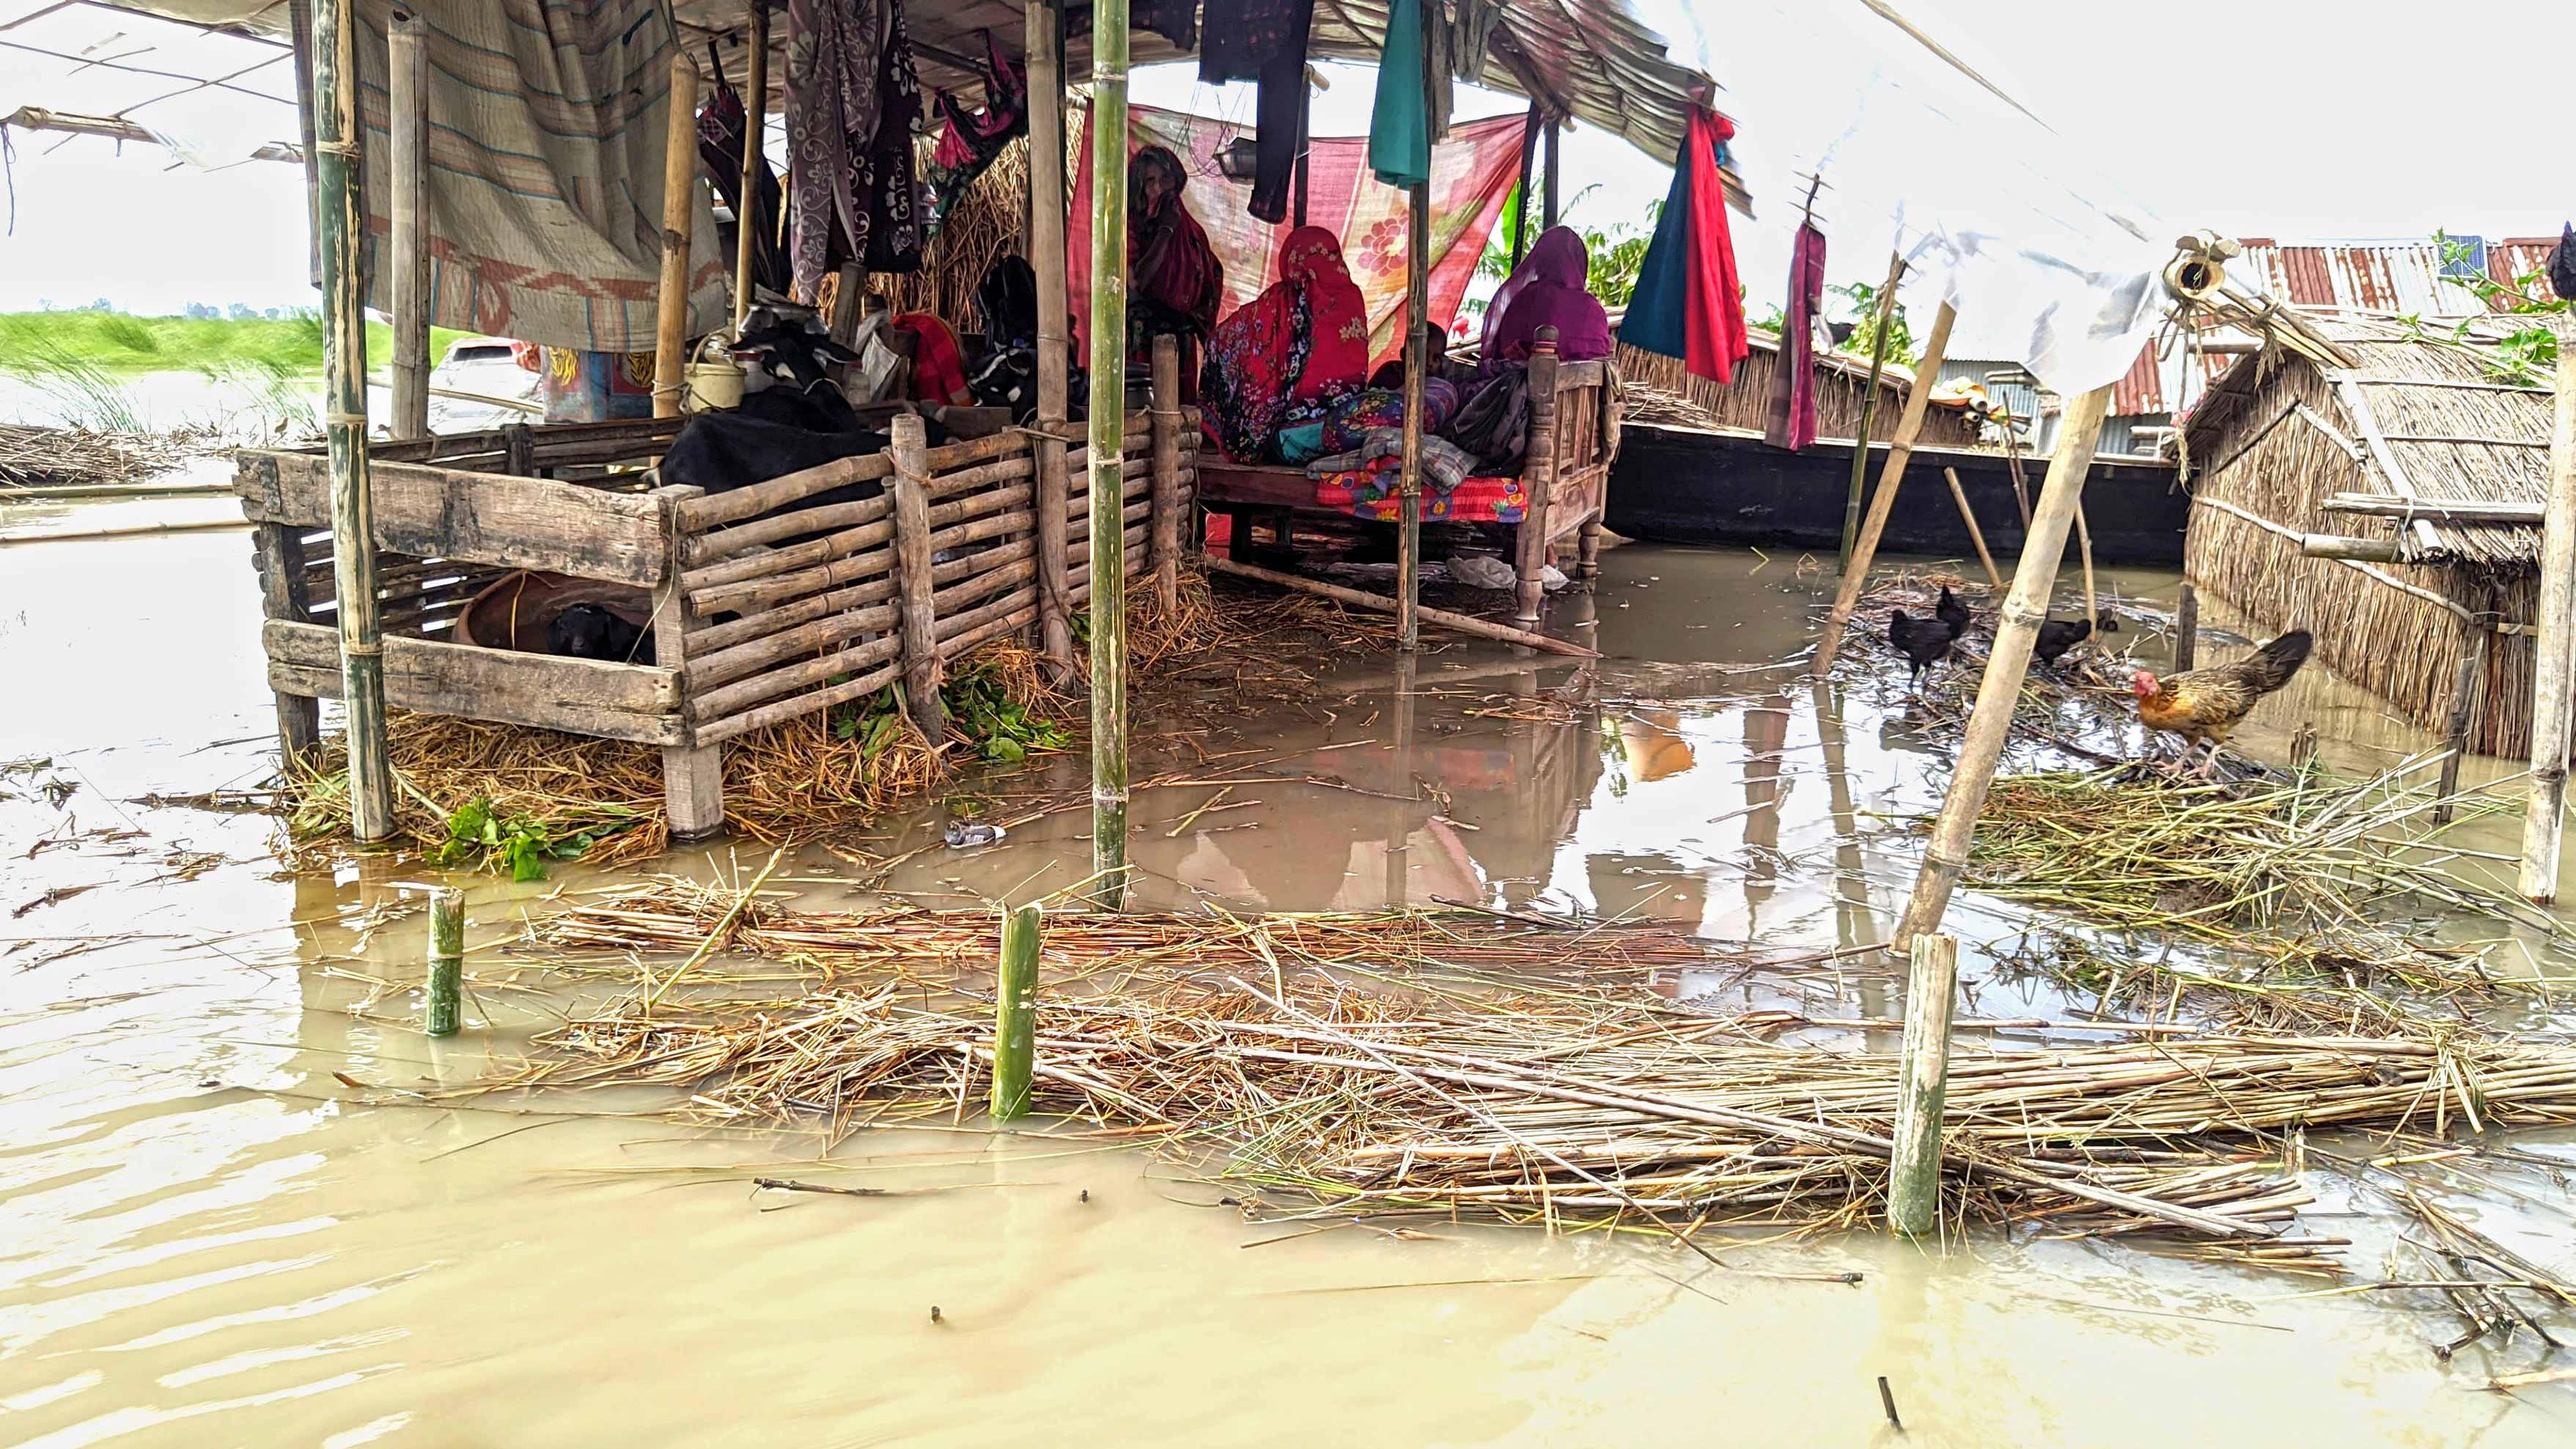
x=480, y=384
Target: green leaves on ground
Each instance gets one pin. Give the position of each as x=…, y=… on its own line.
x=477, y=835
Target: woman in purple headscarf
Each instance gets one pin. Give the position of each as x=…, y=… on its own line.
x=1547, y=290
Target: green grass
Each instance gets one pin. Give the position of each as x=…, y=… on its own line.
x=114, y=343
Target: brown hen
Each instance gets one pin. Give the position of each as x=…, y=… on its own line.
x=2205, y=704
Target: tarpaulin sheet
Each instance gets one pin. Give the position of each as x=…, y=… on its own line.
x=1471, y=173
x=547, y=120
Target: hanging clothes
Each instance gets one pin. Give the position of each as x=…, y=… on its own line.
x=1547, y=290
x=970, y=141
x=852, y=98
x=889, y=238
x=723, y=124
x=1283, y=358
x=1789, y=414
x=1400, y=122
x=1264, y=41
x=1688, y=302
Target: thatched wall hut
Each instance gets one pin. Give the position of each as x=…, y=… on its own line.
x=2417, y=423
x=1662, y=391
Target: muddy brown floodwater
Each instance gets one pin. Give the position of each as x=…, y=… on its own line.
x=203, y=1242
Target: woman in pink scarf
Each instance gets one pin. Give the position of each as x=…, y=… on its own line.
x=1547, y=290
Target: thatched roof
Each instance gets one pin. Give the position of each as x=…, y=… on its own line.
x=2427, y=420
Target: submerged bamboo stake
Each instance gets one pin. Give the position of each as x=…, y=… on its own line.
x=1360, y=598
x=755, y=129
x=1047, y=220
x=1015, y=1021
x=1922, y=1081
x=2550, y=698
x=336, y=131
x=1945, y=859
x=1976, y=535
x=679, y=186
x=2464, y=698
x=2186, y=640
x=1869, y=405
x=407, y=232
x=1108, y=449
x=1882, y=504
x=446, y=961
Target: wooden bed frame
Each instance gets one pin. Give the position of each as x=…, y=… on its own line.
x=1573, y=437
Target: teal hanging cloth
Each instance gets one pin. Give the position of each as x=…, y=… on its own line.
x=1400, y=126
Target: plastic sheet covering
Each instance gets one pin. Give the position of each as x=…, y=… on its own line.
x=2045, y=259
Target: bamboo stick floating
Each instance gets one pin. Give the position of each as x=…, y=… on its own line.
x=1108, y=443
x=2551, y=696
x=1923, y=1075
x=337, y=133
x=679, y=188
x=446, y=961
x=1014, y=1013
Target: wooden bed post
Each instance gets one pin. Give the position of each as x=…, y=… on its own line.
x=1882, y=504
x=755, y=131
x=1108, y=451
x=909, y=487
x=1046, y=258
x=1945, y=859
x=1538, y=476
x=278, y=552
x=407, y=96
x=1168, y=499
x=2552, y=699
x=679, y=185
x=343, y=229
x=692, y=775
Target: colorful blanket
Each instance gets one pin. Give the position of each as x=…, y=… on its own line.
x=1370, y=493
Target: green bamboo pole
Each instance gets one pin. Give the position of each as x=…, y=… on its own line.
x=1923, y=1079
x=446, y=961
x=1869, y=406
x=1108, y=451
x=343, y=225
x=1015, y=1020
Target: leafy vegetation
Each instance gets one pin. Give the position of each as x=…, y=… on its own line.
x=478, y=835
x=1863, y=341
x=2526, y=356
x=975, y=703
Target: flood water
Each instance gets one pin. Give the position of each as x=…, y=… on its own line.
x=203, y=1240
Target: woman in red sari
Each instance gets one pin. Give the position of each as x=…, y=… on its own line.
x=1175, y=279
x=1287, y=355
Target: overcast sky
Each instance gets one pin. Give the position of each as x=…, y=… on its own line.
x=2287, y=118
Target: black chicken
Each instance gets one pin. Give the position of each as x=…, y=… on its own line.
x=1924, y=641
x=1953, y=612
x=2056, y=638
x=2562, y=265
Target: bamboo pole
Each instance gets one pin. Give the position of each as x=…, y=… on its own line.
x=1168, y=502
x=1015, y=1022
x=1417, y=319
x=1108, y=447
x=1047, y=220
x=1547, y=212
x=1361, y=598
x=446, y=1008
x=2550, y=696
x=336, y=132
x=2186, y=641
x=1869, y=406
x=1976, y=535
x=1882, y=504
x=2465, y=683
x=679, y=186
x=1945, y=859
x=407, y=97
x=913, y=550
x=755, y=128
x=299, y=30
x=2084, y=551
x=1923, y=1078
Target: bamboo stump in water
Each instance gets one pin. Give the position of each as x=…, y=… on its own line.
x=1015, y=1022
x=446, y=1010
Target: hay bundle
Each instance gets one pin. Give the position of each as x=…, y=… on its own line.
x=34, y=457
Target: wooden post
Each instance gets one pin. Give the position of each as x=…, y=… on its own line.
x=336, y=130
x=2186, y=640
x=2465, y=682
x=278, y=553
x=910, y=489
x=1168, y=500
x=1945, y=859
x=1882, y=504
x=1869, y=406
x=692, y=775
x=679, y=189
x=846, y=295
x=2084, y=552
x=407, y=96
x=1417, y=346
x=1538, y=477
x=1046, y=257
x=2550, y=695
x=1108, y=450
x=755, y=132
x=299, y=31
x=446, y=1010
x=1547, y=211
x=1922, y=1081
x=1015, y=1020
x=1976, y=535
